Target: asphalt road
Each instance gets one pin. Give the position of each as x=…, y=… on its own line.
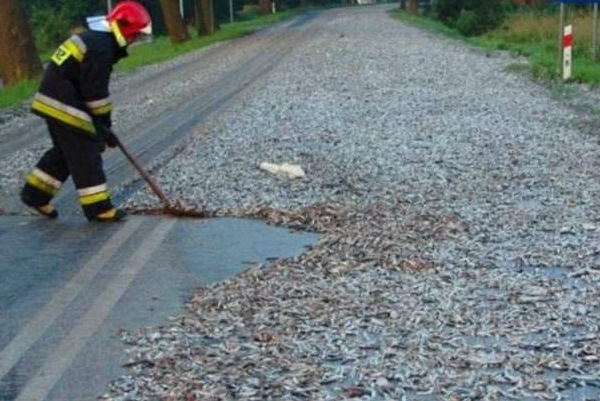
x=69, y=287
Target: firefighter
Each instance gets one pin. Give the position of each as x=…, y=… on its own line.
x=74, y=100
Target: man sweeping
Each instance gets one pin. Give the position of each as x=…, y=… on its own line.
x=74, y=100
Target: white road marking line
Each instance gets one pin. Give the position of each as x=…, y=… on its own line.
x=32, y=332
x=44, y=380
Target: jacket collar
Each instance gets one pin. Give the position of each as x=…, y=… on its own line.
x=100, y=24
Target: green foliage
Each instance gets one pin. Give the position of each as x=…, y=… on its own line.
x=471, y=17
x=518, y=36
x=52, y=21
x=159, y=50
x=467, y=23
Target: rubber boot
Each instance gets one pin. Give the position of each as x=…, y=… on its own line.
x=110, y=216
x=45, y=210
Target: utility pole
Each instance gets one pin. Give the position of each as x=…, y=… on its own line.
x=231, y=11
x=181, y=11
x=595, y=34
x=109, y=5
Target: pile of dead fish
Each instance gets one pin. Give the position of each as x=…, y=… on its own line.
x=369, y=313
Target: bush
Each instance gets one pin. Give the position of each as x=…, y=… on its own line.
x=468, y=23
x=471, y=17
x=52, y=21
x=448, y=11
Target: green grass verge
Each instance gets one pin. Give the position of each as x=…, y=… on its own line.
x=540, y=50
x=16, y=94
x=426, y=23
x=159, y=50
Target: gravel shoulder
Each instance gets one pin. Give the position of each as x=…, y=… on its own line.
x=460, y=256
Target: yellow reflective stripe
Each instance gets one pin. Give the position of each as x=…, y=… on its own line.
x=71, y=47
x=47, y=178
x=92, y=190
x=118, y=35
x=80, y=43
x=75, y=112
x=94, y=198
x=97, y=103
x=41, y=185
x=74, y=50
x=107, y=108
x=109, y=214
x=63, y=116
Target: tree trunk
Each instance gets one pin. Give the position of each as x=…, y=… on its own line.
x=173, y=21
x=198, y=17
x=205, y=17
x=208, y=16
x=264, y=6
x=413, y=7
x=18, y=57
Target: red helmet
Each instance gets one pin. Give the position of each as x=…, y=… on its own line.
x=128, y=20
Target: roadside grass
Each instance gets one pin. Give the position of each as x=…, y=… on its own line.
x=16, y=94
x=533, y=35
x=160, y=49
x=427, y=23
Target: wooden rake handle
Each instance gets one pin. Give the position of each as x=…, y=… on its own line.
x=155, y=188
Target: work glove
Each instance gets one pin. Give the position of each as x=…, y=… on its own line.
x=111, y=139
x=108, y=136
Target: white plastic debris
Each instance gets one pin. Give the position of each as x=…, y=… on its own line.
x=284, y=170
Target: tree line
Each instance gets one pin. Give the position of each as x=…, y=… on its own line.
x=28, y=27
x=475, y=17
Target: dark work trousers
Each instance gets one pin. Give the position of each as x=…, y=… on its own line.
x=72, y=153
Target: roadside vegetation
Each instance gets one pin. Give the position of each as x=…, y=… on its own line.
x=524, y=30
x=51, y=22
x=17, y=93
x=161, y=48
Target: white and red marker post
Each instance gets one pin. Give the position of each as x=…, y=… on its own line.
x=567, y=45
x=564, y=63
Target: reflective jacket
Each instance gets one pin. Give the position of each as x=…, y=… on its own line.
x=74, y=88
